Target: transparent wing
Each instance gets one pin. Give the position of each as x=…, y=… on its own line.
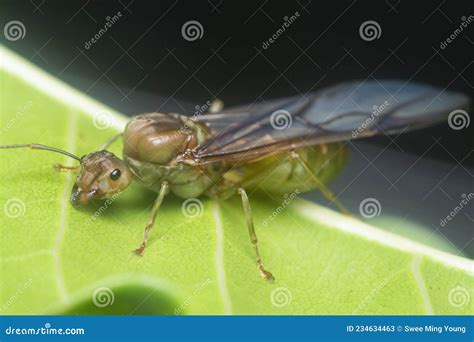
x=346, y=111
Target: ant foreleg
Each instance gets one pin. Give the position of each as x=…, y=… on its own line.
x=64, y=168
x=253, y=237
x=151, y=220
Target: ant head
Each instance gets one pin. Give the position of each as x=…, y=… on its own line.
x=101, y=176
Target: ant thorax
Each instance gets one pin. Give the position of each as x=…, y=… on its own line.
x=160, y=138
x=158, y=147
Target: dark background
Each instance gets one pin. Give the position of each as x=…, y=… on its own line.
x=143, y=64
x=144, y=52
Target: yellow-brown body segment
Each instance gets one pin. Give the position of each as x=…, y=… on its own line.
x=158, y=147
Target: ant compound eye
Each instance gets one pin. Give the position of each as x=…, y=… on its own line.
x=115, y=174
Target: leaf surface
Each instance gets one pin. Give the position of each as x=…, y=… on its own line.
x=58, y=259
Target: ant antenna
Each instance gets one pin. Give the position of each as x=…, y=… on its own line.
x=42, y=147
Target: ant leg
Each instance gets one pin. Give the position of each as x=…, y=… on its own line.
x=216, y=106
x=253, y=237
x=109, y=142
x=64, y=168
x=163, y=191
x=322, y=187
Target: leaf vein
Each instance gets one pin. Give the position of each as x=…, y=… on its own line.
x=64, y=204
x=420, y=283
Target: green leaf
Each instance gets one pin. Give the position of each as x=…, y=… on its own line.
x=59, y=259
